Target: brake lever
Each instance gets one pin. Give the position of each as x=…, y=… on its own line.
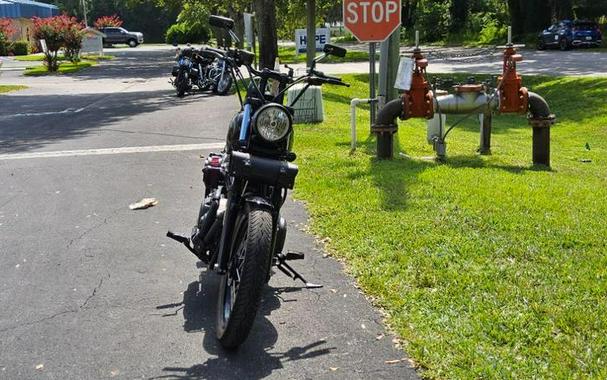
x=291, y=71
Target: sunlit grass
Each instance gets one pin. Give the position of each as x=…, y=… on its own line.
x=487, y=266
x=64, y=68
x=8, y=88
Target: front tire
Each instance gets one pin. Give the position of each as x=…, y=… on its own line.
x=132, y=43
x=541, y=45
x=224, y=84
x=182, y=84
x=241, y=287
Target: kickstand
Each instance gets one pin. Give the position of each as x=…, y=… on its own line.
x=281, y=264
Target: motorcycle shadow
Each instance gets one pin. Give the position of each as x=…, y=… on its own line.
x=253, y=359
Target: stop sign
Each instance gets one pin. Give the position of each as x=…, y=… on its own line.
x=372, y=20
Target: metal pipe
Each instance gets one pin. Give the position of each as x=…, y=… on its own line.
x=465, y=103
x=486, y=125
x=541, y=120
x=385, y=127
x=355, y=102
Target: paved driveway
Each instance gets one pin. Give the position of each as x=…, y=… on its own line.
x=90, y=289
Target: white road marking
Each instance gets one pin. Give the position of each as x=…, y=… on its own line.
x=111, y=151
x=68, y=110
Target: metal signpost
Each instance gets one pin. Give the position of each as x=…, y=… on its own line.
x=372, y=21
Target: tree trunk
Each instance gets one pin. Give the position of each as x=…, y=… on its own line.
x=408, y=13
x=238, y=18
x=459, y=14
x=538, y=15
x=265, y=13
x=517, y=17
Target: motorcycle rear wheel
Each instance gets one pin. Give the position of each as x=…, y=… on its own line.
x=241, y=288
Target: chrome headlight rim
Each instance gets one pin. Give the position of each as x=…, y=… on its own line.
x=259, y=129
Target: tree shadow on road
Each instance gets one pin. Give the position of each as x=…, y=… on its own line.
x=31, y=122
x=253, y=359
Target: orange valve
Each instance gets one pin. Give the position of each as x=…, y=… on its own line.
x=514, y=98
x=418, y=102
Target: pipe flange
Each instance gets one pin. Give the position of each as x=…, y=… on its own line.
x=378, y=129
x=542, y=122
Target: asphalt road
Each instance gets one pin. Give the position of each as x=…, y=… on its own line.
x=90, y=289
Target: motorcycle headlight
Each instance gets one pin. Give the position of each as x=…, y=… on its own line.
x=272, y=122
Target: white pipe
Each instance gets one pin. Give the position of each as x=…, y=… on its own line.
x=355, y=102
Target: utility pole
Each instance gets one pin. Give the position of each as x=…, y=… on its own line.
x=388, y=69
x=311, y=32
x=86, y=24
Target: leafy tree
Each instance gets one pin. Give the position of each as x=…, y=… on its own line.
x=72, y=38
x=52, y=31
x=108, y=22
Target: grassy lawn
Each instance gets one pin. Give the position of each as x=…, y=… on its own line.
x=287, y=55
x=64, y=68
x=487, y=266
x=8, y=88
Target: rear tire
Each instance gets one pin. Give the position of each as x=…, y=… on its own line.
x=251, y=255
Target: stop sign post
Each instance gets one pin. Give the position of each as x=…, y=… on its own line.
x=372, y=21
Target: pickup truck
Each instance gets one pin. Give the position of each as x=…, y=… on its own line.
x=121, y=36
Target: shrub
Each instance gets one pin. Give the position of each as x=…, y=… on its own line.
x=52, y=31
x=20, y=48
x=6, y=30
x=72, y=40
x=108, y=22
x=183, y=33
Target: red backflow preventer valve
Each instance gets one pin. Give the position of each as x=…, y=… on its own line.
x=514, y=98
x=418, y=102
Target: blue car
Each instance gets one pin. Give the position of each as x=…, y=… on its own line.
x=567, y=34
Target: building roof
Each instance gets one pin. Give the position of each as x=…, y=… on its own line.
x=26, y=9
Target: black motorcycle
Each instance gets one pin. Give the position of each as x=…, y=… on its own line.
x=240, y=233
x=196, y=67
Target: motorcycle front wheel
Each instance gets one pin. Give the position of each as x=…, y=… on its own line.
x=181, y=84
x=241, y=288
x=224, y=84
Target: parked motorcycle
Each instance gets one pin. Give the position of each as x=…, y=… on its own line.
x=240, y=233
x=207, y=68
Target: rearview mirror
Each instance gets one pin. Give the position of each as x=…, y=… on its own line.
x=221, y=22
x=335, y=50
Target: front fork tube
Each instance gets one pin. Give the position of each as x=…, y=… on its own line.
x=229, y=220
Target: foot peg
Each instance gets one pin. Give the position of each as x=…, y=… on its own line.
x=281, y=263
x=183, y=240
x=291, y=256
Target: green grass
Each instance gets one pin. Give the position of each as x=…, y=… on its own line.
x=64, y=68
x=8, y=88
x=33, y=58
x=287, y=55
x=488, y=267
